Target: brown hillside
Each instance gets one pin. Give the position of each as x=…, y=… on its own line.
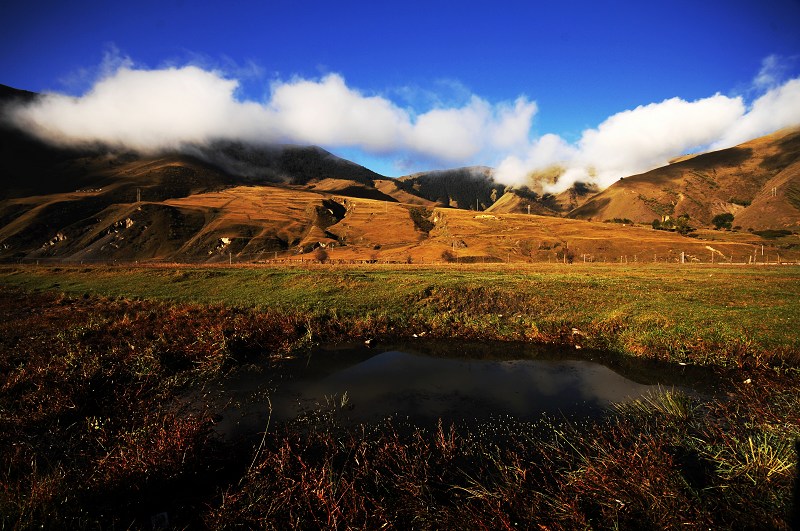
x=525, y=201
x=739, y=180
x=258, y=223
x=257, y=203
x=349, y=188
x=518, y=202
x=390, y=187
x=467, y=188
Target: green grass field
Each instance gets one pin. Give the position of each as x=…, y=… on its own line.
x=724, y=315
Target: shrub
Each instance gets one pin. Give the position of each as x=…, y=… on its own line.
x=420, y=216
x=723, y=221
x=772, y=234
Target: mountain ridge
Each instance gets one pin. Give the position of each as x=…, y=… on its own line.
x=740, y=180
x=229, y=200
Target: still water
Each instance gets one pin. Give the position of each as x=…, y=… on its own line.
x=426, y=381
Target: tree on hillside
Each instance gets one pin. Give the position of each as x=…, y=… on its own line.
x=682, y=224
x=723, y=221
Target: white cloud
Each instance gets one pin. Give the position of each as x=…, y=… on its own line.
x=777, y=109
x=478, y=127
x=152, y=110
x=144, y=110
x=327, y=112
x=172, y=107
x=637, y=140
x=512, y=126
x=628, y=142
x=545, y=151
x=634, y=141
x=770, y=74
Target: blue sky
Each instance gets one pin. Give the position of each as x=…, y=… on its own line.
x=565, y=67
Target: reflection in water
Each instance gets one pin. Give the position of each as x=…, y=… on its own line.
x=424, y=388
x=429, y=388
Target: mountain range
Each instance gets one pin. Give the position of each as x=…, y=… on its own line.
x=229, y=200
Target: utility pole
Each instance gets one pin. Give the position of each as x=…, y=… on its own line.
x=138, y=195
x=230, y=258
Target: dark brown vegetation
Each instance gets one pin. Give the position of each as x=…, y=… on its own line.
x=98, y=429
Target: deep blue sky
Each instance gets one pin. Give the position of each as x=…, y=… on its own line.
x=579, y=61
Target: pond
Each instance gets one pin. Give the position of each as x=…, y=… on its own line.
x=423, y=381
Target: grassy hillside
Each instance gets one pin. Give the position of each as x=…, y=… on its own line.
x=258, y=223
x=756, y=181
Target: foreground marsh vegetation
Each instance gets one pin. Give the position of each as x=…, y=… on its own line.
x=96, y=428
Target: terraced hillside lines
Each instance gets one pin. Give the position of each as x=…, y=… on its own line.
x=376, y=230
x=390, y=188
x=753, y=181
x=518, y=237
x=283, y=219
x=275, y=217
x=349, y=188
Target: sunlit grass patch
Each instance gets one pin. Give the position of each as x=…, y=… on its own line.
x=757, y=458
x=722, y=316
x=667, y=402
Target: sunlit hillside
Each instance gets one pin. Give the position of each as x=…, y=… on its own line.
x=758, y=182
x=227, y=201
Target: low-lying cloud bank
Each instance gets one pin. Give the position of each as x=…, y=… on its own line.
x=154, y=110
x=648, y=136
x=174, y=108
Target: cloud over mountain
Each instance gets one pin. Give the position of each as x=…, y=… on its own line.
x=628, y=142
x=150, y=110
x=648, y=136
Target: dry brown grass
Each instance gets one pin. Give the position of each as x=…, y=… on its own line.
x=712, y=183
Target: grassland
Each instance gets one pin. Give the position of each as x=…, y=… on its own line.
x=724, y=315
x=99, y=367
